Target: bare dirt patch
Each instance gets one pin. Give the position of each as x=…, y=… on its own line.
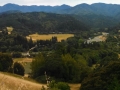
x=103, y=38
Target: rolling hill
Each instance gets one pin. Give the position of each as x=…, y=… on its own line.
x=40, y=22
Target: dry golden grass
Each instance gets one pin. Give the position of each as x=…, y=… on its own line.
x=49, y=36
x=119, y=55
x=8, y=82
x=22, y=59
x=9, y=29
x=74, y=86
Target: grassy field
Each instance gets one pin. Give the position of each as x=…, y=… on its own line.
x=9, y=82
x=26, y=62
x=49, y=36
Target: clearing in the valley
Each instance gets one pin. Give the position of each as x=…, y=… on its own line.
x=49, y=36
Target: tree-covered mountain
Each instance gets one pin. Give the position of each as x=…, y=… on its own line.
x=96, y=8
x=41, y=22
x=97, y=21
x=33, y=8
x=97, y=15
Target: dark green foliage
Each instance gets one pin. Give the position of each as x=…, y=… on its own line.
x=38, y=65
x=16, y=55
x=59, y=86
x=5, y=62
x=115, y=85
x=15, y=43
x=97, y=21
x=18, y=69
x=61, y=68
x=103, y=78
x=28, y=23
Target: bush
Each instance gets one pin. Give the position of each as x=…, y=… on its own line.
x=41, y=79
x=5, y=62
x=18, y=69
x=59, y=86
x=63, y=86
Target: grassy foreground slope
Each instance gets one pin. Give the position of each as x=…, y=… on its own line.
x=8, y=82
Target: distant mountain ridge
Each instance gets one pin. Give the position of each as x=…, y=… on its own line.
x=96, y=8
x=97, y=15
x=33, y=8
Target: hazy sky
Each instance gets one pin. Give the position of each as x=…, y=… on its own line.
x=56, y=2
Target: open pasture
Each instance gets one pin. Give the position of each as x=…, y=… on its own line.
x=49, y=36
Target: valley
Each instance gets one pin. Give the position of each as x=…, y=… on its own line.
x=60, y=47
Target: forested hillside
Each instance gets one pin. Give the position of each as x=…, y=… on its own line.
x=97, y=21
x=33, y=8
x=40, y=22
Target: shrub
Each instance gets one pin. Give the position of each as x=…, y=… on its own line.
x=18, y=69
x=59, y=86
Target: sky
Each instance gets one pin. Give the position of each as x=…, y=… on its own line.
x=56, y=2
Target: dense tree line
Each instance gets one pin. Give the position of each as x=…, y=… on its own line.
x=105, y=78
x=14, y=42
x=63, y=68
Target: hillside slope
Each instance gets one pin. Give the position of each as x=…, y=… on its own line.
x=8, y=82
x=41, y=22
x=13, y=83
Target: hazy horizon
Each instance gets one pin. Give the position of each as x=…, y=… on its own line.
x=56, y=2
